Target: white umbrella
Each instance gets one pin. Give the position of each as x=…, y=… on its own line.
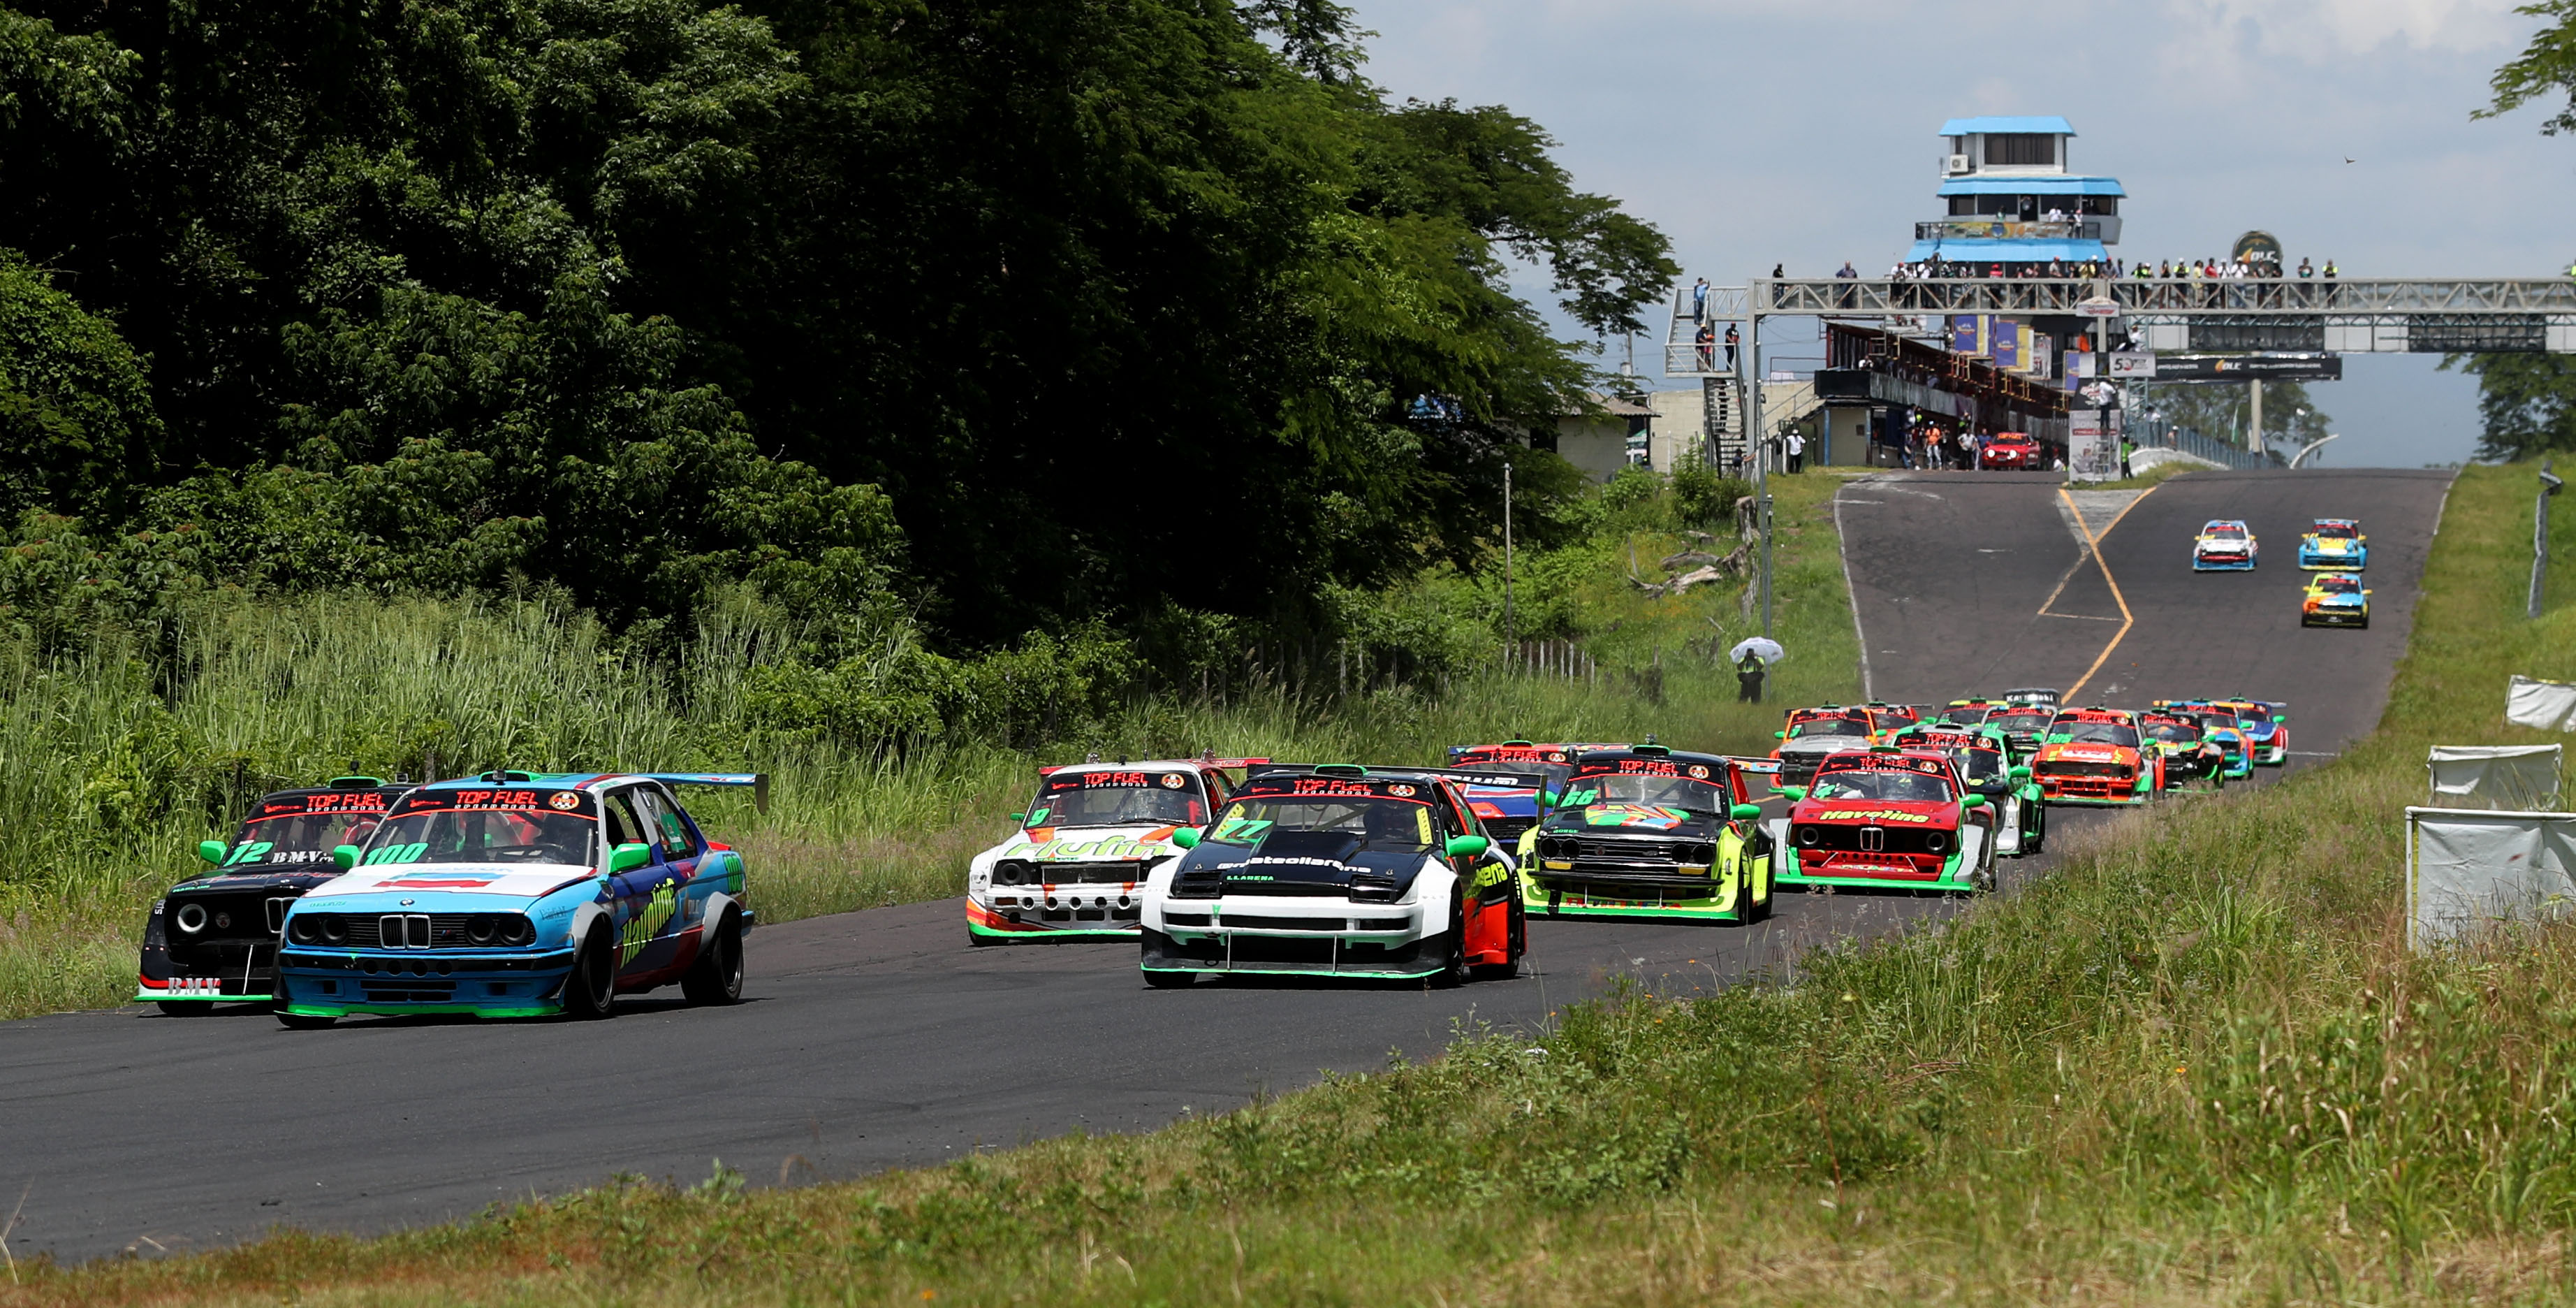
x=1762, y=646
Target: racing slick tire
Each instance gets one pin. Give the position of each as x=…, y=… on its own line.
x=590, y=989
x=185, y=1008
x=2038, y=835
x=304, y=1021
x=1454, y=968
x=1510, y=967
x=716, y=977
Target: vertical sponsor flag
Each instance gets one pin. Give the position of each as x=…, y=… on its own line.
x=2007, y=345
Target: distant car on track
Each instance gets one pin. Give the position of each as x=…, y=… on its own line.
x=1984, y=759
x=1889, y=818
x=2025, y=727
x=1336, y=870
x=520, y=894
x=2224, y=545
x=1075, y=867
x=2188, y=754
x=2335, y=599
x=1649, y=832
x=2266, y=725
x=2220, y=726
x=213, y=938
x=2334, y=545
x=1813, y=733
x=2009, y=451
x=2033, y=695
x=1510, y=814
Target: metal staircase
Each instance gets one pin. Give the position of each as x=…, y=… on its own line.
x=1721, y=390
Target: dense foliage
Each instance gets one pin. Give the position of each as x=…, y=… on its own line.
x=1008, y=315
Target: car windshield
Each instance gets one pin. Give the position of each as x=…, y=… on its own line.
x=1865, y=783
x=2253, y=713
x=2339, y=585
x=2174, y=733
x=2093, y=733
x=1388, y=825
x=2335, y=530
x=2028, y=720
x=1118, y=797
x=2214, y=721
x=1966, y=715
x=1853, y=724
x=487, y=836
x=1979, y=765
x=1629, y=788
x=2225, y=532
x=290, y=828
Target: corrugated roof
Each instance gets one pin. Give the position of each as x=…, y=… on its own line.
x=2047, y=185
x=1974, y=126
x=1992, y=251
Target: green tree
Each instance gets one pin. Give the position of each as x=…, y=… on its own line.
x=2222, y=412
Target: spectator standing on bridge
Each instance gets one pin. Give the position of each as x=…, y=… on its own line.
x=1775, y=271
x=1730, y=345
x=1705, y=335
x=1699, y=301
x=2306, y=269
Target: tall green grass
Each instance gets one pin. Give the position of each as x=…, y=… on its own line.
x=116, y=761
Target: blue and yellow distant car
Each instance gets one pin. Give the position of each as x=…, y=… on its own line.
x=2335, y=599
x=518, y=894
x=2334, y=545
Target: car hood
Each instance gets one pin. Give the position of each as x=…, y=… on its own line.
x=1088, y=844
x=2086, y=751
x=300, y=876
x=398, y=881
x=1876, y=812
x=1300, y=858
x=1631, y=820
x=1822, y=744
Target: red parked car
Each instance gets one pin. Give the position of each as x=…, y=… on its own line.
x=2011, y=449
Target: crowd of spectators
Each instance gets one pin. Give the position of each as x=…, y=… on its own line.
x=2090, y=269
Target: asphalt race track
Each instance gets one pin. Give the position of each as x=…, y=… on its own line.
x=878, y=1039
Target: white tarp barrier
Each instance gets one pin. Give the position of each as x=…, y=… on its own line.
x=2548, y=705
x=2494, y=776
x=2468, y=869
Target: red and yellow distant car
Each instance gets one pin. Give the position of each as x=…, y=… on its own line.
x=2094, y=756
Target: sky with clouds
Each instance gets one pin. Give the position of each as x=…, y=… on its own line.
x=1756, y=132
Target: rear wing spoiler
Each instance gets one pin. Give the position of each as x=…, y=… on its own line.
x=758, y=781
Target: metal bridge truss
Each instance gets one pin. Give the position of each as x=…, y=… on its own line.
x=2341, y=316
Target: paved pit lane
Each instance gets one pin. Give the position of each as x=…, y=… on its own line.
x=878, y=1039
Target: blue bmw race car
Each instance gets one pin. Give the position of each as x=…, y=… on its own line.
x=2334, y=545
x=518, y=894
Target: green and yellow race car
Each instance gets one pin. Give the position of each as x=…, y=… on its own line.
x=1650, y=832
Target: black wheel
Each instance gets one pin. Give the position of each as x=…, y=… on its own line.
x=1170, y=980
x=716, y=978
x=304, y=1021
x=185, y=1008
x=590, y=992
x=2038, y=834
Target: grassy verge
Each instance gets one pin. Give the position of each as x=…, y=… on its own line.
x=118, y=766
x=2196, y=1064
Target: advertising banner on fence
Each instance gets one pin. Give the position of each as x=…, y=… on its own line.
x=2139, y=365
x=2005, y=339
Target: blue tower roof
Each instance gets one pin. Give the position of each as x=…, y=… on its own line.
x=1975, y=126
x=2043, y=184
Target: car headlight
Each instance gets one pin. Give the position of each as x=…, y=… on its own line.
x=1810, y=836
x=191, y=918
x=517, y=929
x=482, y=929
x=1936, y=841
x=1012, y=872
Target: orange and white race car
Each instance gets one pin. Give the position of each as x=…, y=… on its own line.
x=1076, y=867
x=2094, y=756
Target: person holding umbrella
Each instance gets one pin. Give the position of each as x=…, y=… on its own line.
x=1753, y=657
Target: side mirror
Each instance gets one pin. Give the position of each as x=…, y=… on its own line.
x=2280, y=717
x=2020, y=773
x=1795, y=793
x=1547, y=799
x=1186, y=837
x=1976, y=801
x=627, y=858
x=1019, y=817
x=212, y=851
x=345, y=857
x=1779, y=735
x=1468, y=846
x=1745, y=812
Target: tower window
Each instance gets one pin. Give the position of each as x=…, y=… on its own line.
x=2009, y=148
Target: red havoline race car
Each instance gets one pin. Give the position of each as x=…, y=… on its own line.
x=1074, y=869
x=1647, y=832
x=213, y=938
x=1888, y=818
x=1336, y=870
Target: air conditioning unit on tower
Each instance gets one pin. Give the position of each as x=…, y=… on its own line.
x=1958, y=164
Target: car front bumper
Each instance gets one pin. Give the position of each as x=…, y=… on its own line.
x=2108, y=791
x=339, y=983
x=1299, y=936
x=2222, y=563
x=1577, y=891
x=1094, y=913
x=2335, y=618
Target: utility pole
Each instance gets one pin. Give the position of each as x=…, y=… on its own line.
x=2549, y=484
x=1510, y=633
x=1756, y=436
